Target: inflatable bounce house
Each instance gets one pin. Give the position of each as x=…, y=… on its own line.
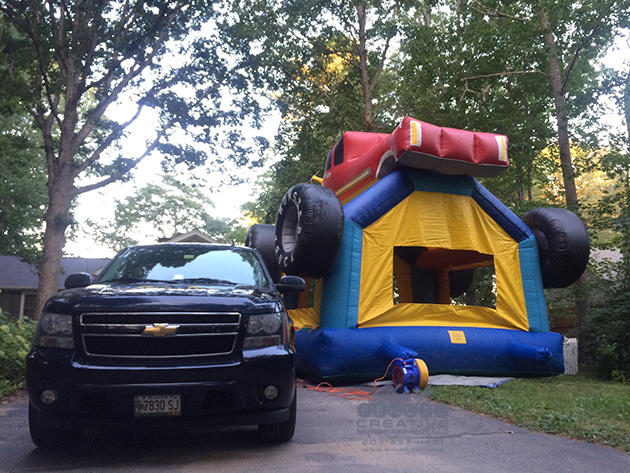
x=390, y=243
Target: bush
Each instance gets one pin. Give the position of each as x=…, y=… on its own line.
x=15, y=341
x=607, y=338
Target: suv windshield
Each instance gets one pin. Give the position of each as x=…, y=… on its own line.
x=190, y=264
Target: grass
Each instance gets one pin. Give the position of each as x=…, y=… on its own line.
x=575, y=406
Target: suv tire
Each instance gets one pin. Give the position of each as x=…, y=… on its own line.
x=50, y=438
x=282, y=431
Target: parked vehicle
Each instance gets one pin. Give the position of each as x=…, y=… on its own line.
x=168, y=335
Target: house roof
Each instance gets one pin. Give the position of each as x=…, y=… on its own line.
x=194, y=236
x=15, y=274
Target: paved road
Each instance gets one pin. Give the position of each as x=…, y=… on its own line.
x=392, y=433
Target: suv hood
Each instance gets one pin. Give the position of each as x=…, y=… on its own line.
x=140, y=297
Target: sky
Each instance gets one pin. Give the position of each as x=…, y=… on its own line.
x=99, y=205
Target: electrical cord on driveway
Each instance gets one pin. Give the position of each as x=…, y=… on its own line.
x=352, y=394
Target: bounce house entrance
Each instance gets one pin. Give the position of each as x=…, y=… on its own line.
x=424, y=275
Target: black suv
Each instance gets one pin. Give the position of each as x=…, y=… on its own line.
x=172, y=334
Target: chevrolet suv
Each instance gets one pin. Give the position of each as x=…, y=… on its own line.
x=168, y=335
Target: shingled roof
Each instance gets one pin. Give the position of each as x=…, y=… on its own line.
x=15, y=274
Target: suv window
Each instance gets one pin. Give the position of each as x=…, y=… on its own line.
x=187, y=263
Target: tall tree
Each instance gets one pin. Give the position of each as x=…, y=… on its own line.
x=163, y=211
x=569, y=36
x=325, y=64
x=90, y=54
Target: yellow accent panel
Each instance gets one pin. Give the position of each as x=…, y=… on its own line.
x=304, y=318
x=424, y=373
x=457, y=336
x=416, y=134
x=308, y=317
x=317, y=297
x=444, y=221
x=438, y=315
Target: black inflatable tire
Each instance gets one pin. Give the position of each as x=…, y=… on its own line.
x=563, y=245
x=263, y=238
x=309, y=228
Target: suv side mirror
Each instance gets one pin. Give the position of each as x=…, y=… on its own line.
x=290, y=284
x=78, y=280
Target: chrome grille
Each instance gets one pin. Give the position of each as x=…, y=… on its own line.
x=158, y=335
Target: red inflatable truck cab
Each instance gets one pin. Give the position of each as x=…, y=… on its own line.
x=358, y=159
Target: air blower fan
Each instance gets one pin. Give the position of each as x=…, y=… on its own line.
x=409, y=374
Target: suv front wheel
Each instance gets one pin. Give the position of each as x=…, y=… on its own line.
x=47, y=437
x=282, y=431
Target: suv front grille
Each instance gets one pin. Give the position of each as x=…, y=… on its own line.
x=155, y=335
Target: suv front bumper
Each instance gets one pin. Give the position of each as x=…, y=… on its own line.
x=230, y=393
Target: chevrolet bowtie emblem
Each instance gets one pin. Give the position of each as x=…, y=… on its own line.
x=160, y=330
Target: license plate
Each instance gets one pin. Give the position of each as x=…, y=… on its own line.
x=158, y=405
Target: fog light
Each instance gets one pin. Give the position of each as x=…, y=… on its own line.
x=270, y=392
x=48, y=396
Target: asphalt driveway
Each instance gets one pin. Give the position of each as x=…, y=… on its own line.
x=391, y=433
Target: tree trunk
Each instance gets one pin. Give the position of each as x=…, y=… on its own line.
x=626, y=107
x=368, y=113
x=566, y=163
x=57, y=218
x=562, y=120
x=625, y=212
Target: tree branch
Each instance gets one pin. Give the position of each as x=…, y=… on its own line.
x=381, y=63
x=118, y=175
x=91, y=48
x=584, y=42
x=100, y=108
x=58, y=35
x=115, y=134
x=502, y=74
x=496, y=13
x=114, y=64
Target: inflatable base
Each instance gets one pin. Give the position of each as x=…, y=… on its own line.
x=363, y=354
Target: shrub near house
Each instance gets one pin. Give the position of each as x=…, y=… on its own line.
x=15, y=341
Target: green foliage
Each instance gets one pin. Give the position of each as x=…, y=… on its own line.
x=23, y=185
x=574, y=406
x=22, y=189
x=607, y=338
x=15, y=341
x=165, y=210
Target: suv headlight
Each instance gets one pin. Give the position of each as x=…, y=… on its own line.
x=54, y=330
x=264, y=330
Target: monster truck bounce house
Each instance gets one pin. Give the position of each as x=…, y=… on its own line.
x=391, y=241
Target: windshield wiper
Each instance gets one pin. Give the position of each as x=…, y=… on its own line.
x=136, y=280
x=209, y=281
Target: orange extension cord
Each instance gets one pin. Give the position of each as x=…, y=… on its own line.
x=347, y=393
